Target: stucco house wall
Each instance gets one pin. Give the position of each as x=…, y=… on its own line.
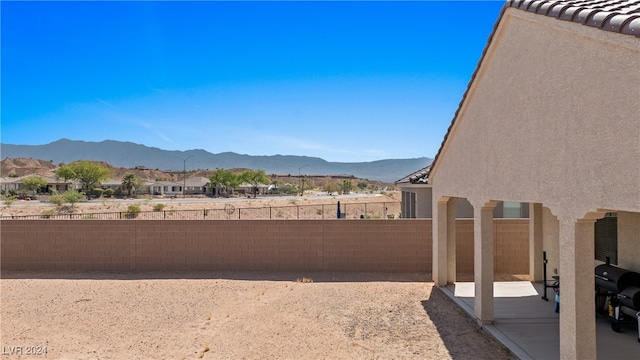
x=531, y=127
x=552, y=118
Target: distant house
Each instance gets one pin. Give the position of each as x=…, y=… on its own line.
x=15, y=184
x=417, y=200
x=197, y=186
x=247, y=188
x=170, y=188
x=550, y=117
x=116, y=185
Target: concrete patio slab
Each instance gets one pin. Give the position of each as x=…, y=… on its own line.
x=529, y=326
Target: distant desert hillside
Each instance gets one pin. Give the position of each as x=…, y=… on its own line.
x=23, y=166
x=131, y=155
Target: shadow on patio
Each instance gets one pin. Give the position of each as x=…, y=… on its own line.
x=459, y=336
x=529, y=327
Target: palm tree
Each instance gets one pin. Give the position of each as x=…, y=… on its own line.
x=128, y=182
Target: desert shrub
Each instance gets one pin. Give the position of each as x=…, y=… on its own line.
x=8, y=200
x=158, y=207
x=108, y=192
x=132, y=211
x=72, y=197
x=56, y=199
x=97, y=192
x=48, y=213
x=318, y=211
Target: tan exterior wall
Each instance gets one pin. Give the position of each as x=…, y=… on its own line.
x=269, y=245
x=421, y=208
x=551, y=242
x=511, y=246
x=551, y=118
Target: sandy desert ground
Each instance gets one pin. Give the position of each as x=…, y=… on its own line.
x=232, y=315
x=236, y=316
x=102, y=205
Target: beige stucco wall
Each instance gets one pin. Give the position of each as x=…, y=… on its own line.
x=421, y=209
x=550, y=241
x=552, y=117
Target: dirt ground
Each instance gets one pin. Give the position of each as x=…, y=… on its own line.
x=232, y=315
x=235, y=315
x=103, y=205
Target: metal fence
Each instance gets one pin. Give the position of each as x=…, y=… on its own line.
x=380, y=210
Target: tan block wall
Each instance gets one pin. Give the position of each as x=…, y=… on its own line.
x=511, y=246
x=269, y=245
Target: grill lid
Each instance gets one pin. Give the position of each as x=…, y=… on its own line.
x=615, y=279
x=630, y=297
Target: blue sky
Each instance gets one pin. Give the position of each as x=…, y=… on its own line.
x=344, y=81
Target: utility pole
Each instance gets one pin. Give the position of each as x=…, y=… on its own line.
x=184, y=173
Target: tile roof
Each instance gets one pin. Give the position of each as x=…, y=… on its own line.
x=621, y=16
x=419, y=177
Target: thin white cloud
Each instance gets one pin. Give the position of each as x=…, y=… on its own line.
x=295, y=145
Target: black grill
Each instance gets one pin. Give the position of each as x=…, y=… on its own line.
x=630, y=297
x=615, y=279
x=617, y=293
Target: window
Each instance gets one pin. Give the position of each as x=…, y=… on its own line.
x=606, y=238
x=511, y=209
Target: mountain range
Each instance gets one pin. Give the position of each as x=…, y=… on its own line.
x=128, y=154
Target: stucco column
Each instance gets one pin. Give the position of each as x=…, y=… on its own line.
x=577, y=315
x=535, y=242
x=483, y=263
x=440, y=242
x=451, y=241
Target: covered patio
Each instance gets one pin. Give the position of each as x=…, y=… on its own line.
x=543, y=121
x=529, y=326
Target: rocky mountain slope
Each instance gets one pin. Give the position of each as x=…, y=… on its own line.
x=130, y=155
